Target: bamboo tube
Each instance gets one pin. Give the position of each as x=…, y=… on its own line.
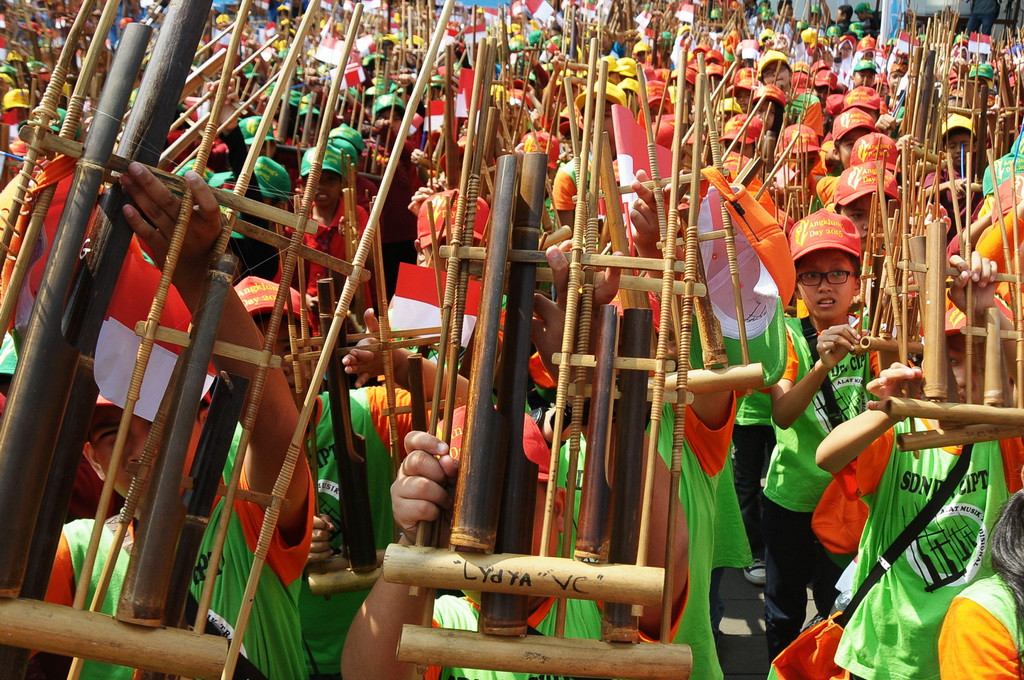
x=619, y=623
x=504, y=614
x=969, y=434
x=592, y=534
x=971, y=414
x=481, y=465
x=935, y=353
x=522, y=575
x=546, y=656
x=995, y=367
x=148, y=580
x=54, y=629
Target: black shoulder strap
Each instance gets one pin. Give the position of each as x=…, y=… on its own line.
x=832, y=411
x=244, y=669
x=907, y=536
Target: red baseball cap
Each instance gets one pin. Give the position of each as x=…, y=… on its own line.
x=820, y=65
x=539, y=141
x=824, y=230
x=834, y=104
x=851, y=120
x=825, y=79
x=861, y=180
x=444, y=216
x=863, y=98
x=735, y=125
x=873, y=147
x=715, y=57
x=535, y=446
x=771, y=92
x=956, y=319
x=258, y=295
x=745, y=79
x=808, y=139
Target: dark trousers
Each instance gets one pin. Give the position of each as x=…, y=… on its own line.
x=794, y=559
x=981, y=22
x=752, y=447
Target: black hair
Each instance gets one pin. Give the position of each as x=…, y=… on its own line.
x=783, y=3
x=846, y=10
x=1008, y=560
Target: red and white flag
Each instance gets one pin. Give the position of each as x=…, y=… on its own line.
x=328, y=51
x=451, y=35
x=365, y=44
x=415, y=303
x=371, y=5
x=750, y=50
x=354, y=74
x=902, y=43
x=685, y=13
x=465, y=93
x=540, y=9
x=476, y=33
x=435, y=114
x=118, y=345
x=490, y=14
x=643, y=20
x=631, y=153
x=979, y=43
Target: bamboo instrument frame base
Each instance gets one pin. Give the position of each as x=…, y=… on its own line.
x=57, y=629
x=334, y=576
x=523, y=575
x=547, y=656
x=969, y=414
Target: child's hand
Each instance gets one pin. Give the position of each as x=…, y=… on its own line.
x=835, y=343
x=896, y=381
x=420, y=490
x=983, y=272
x=153, y=222
x=320, y=548
x=365, y=363
x=644, y=217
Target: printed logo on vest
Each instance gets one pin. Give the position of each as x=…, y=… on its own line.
x=950, y=550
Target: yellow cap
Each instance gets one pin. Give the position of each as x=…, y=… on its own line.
x=16, y=99
x=769, y=57
x=729, y=105
x=613, y=93
x=630, y=84
x=223, y=19
x=640, y=47
x=954, y=121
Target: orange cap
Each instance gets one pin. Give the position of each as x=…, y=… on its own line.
x=808, y=139
x=873, y=147
x=444, y=216
x=863, y=98
x=824, y=230
x=861, y=180
x=848, y=121
x=735, y=125
x=258, y=295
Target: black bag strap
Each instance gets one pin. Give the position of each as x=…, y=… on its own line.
x=244, y=669
x=832, y=411
x=907, y=536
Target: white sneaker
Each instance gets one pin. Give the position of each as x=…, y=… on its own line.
x=755, y=573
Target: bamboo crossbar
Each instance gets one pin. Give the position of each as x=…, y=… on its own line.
x=220, y=348
x=968, y=414
x=56, y=629
x=545, y=656
x=970, y=434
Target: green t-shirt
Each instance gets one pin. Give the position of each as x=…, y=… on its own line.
x=326, y=620
x=754, y=409
x=272, y=640
x=732, y=548
x=895, y=631
x=582, y=620
x=794, y=480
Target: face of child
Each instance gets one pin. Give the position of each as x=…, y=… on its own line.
x=844, y=147
x=99, y=445
x=859, y=212
x=863, y=79
x=957, y=345
x=828, y=303
x=778, y=75
x=328, y=192
x=958, y=142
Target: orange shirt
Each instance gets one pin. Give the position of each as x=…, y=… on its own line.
x=973, y=645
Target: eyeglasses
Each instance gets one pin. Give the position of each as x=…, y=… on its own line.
x=814, y=279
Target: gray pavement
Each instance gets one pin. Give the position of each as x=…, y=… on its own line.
x=741, y=649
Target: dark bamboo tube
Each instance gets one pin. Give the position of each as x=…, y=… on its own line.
x=47, y=364
x=207, y=469
x=981, y=134
x=925, y=95
x=592, y=532
x=350, y=452
x=507, y=614
x=144, y=591
x=482, y=465
x=619, y=624
x=414, y=370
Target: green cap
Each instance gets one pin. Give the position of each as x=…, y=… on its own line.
x=862, y=7
x=272, y=179
x=866, y=65
x=388, y=101
x=370, y=58
x=857, y=29
x=800, y=104
x=344, y=148
x=61, y=115
x=250, y=125
x=8, y=356
x=801, y=25
x=213, y=179
x=350, y=135
x=716, y=12
x=332, y=160
x=535, y=38
x=982, y=71
x=833, y=32
x=9, y=70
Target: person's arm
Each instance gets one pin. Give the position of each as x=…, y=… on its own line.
x=419, y=493
x=277, y=416
x=790, y=399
